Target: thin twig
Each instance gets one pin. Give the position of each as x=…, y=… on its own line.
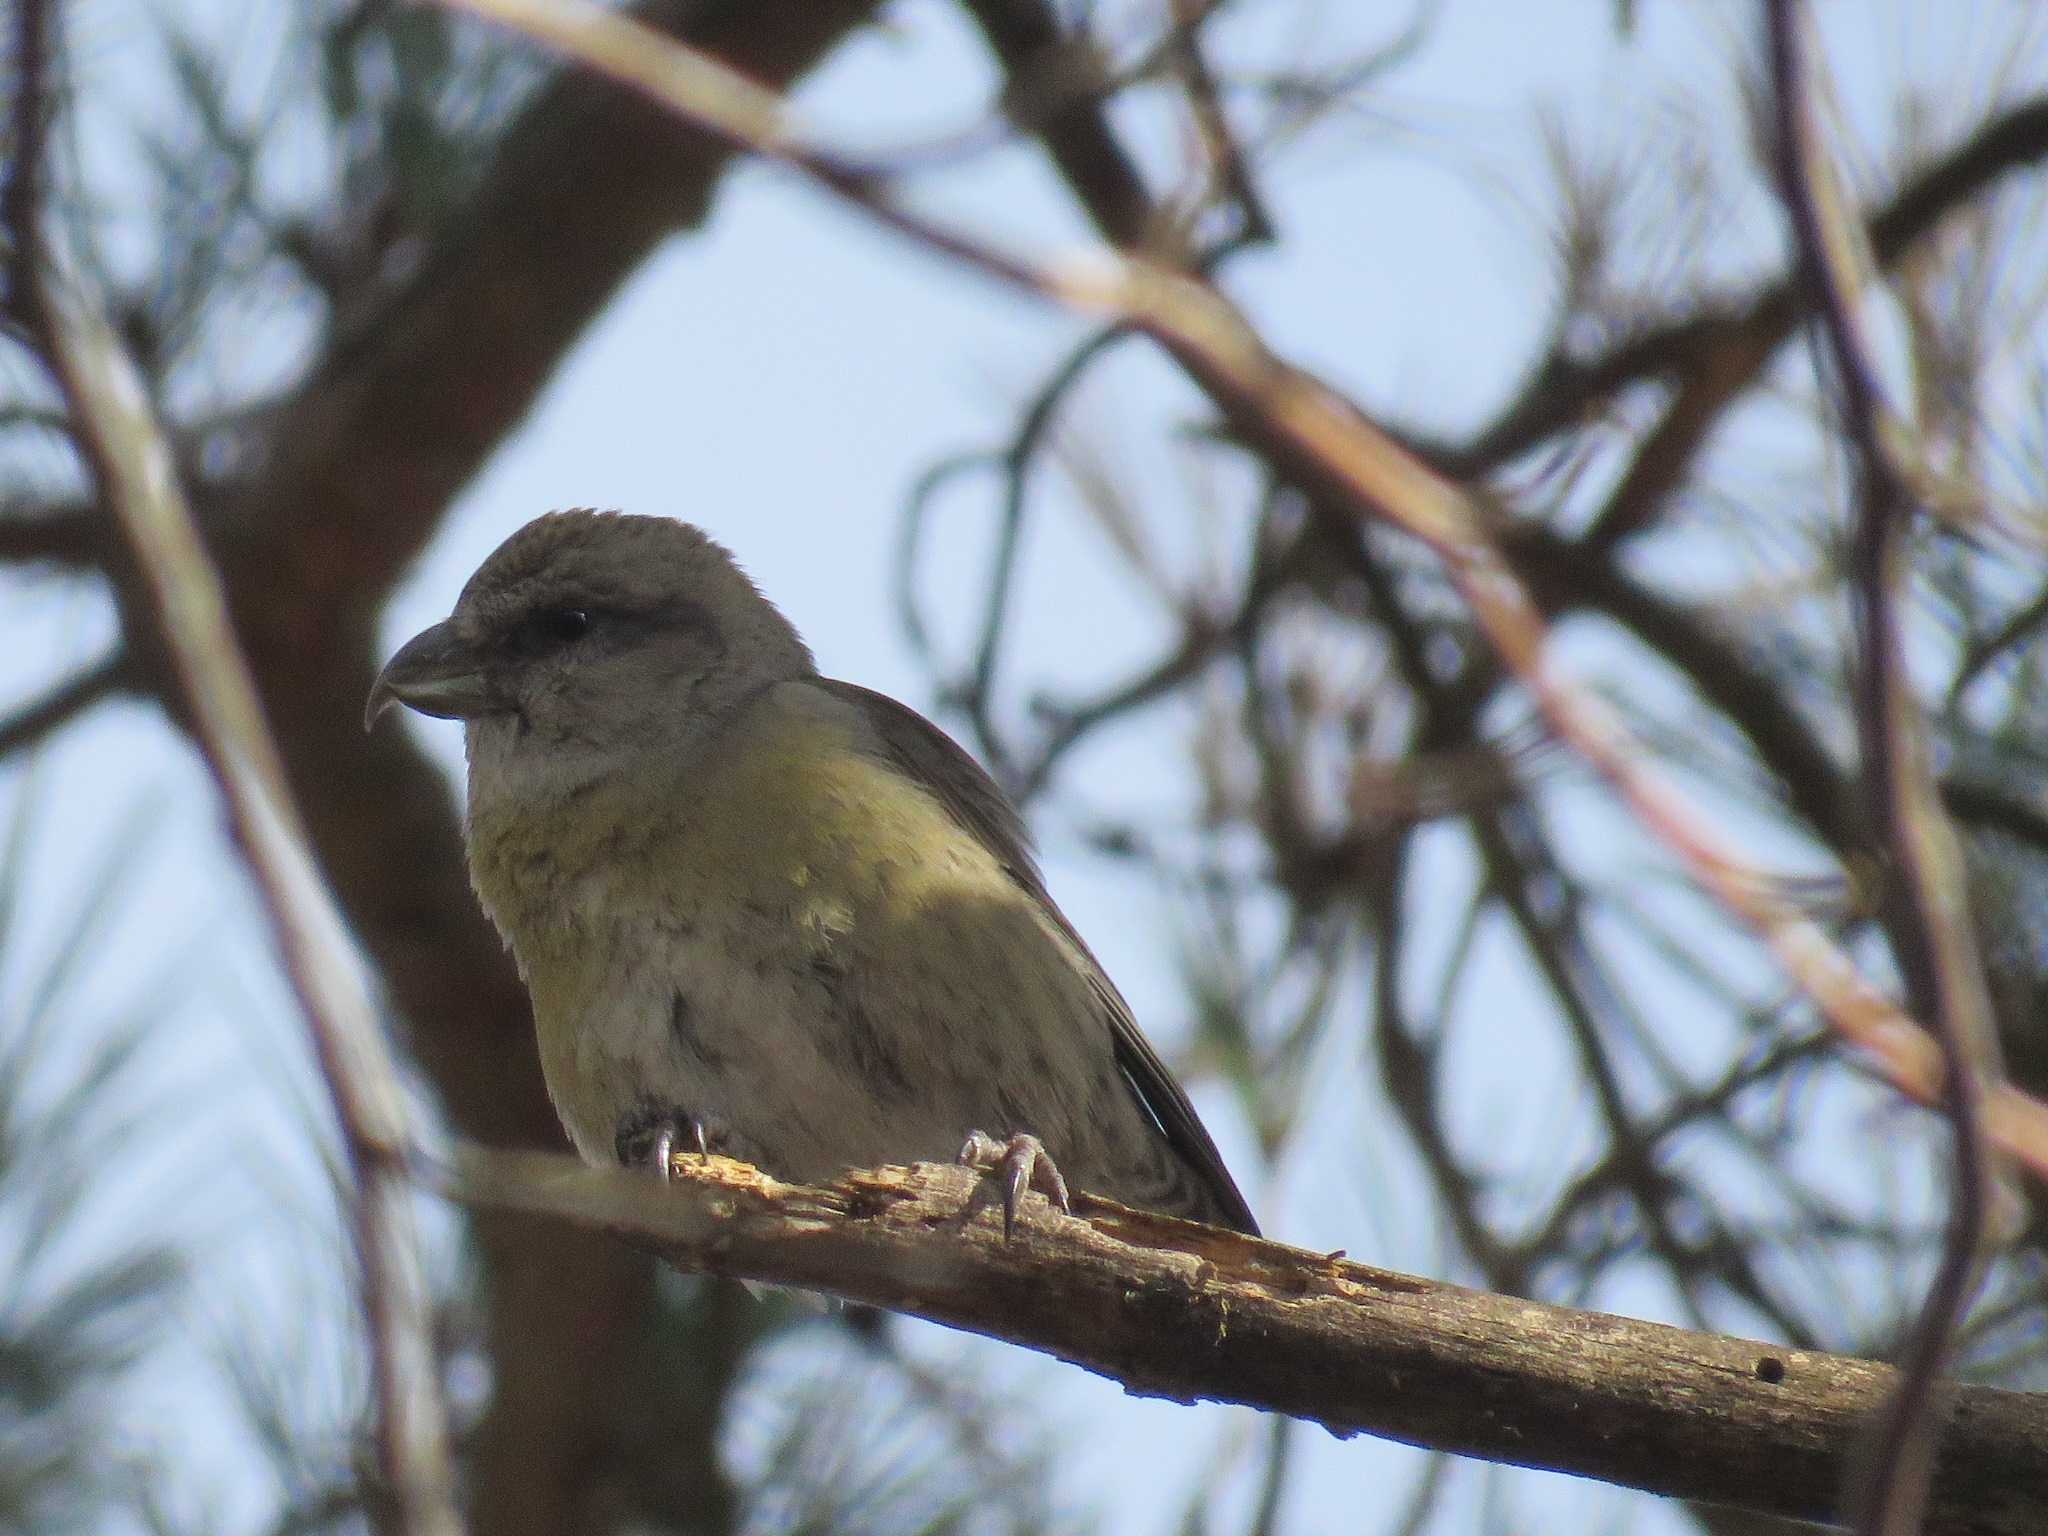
x=1280, y=1442
x=1230, y=176
x=133, y=467
x=1200, y=643
x=1423, y=1498
x=910, y=539
x=1408, y=1071
x=1614, y=1169
x=2020, y=627
x=1939, y=951
x=1018, y=461
x=65, y=702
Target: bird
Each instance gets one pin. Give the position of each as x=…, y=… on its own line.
x=767, y=913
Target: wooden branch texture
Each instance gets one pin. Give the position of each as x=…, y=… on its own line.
x=1171, y=1309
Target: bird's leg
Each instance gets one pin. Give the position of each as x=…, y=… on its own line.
x=1023, y=1163
x=648, y=1137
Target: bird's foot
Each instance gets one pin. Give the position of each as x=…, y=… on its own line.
x=1023, y=1163
x=649, y=1138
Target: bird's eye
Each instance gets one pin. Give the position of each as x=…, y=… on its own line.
x=566, y=623
x=556, y=626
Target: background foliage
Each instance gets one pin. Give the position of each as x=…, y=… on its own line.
x=1449, y=1005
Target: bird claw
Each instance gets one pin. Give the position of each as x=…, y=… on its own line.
x=649, y=1138
x=1023, y=1163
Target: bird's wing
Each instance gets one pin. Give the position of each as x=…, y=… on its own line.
x=933, y=759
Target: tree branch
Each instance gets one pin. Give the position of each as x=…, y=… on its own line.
x=64, y=703
x=73, y=537
x=132, y=466
x=1816, y=787
x=358, y=467
x=1052, y=93
x=1929, y=891
x=1176, y=1310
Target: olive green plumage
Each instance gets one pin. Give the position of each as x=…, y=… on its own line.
x=782, y=908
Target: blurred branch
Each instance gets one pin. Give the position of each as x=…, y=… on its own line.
x=1409, y=1060
x=397, y=416
x=133, y=468
x=1693, y=641
x=1930, y=891
x=1568, y=579
x=27, y=126
x=2017, y=812
x=2023, y=625
x=1708, y=1103
x=64, y=703
x=1051, y=92
x=1065, y=723
x=1017, y=462
x=1511, y=843
x=87, y=1283
x=1560, y=952
x=1273, y=1481
x=1187, y=1312
x=75, y=537
x=1322, y=443
x=1707, y=388
x=1230, y=174
x=1201, y=642
x=1724, y=339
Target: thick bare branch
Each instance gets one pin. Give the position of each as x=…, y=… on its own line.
x=1171, y=1309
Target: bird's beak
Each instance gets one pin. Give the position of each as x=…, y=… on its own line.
x=437, y=673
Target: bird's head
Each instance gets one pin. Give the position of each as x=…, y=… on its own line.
x=588, y=640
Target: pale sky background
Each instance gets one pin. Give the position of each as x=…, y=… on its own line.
x=782, y=379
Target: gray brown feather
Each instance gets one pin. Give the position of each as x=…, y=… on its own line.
x=926, y=754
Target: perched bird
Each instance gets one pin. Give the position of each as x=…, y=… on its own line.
x=765, y=913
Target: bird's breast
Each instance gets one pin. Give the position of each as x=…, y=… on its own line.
x=787, y=843
x=775, y=934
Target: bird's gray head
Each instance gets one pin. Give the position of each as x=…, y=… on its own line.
x=587, y=640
